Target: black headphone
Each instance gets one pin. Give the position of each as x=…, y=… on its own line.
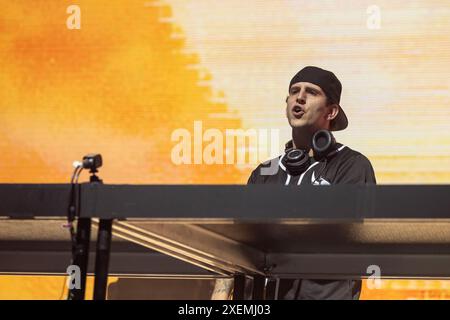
x=297, y=161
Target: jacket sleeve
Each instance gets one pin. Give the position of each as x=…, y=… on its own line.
x=253, y=176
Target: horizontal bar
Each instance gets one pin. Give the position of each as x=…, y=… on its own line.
x=122, y=263
x=239, y=202
x=354, y=266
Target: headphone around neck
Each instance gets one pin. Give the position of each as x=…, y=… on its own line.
x=297, y=161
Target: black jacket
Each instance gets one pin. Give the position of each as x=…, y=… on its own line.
x=346, y=166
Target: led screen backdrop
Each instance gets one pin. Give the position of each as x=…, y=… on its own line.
x=154, y=86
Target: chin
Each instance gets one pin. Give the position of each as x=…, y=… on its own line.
x=297, y=123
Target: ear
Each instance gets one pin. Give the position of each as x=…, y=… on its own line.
x=287, y=97
x=333, y=111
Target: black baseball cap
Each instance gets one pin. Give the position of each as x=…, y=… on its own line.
x=332, y=87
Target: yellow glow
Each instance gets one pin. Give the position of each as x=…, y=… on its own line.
x=136, y=72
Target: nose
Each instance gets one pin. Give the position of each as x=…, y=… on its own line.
x=301, y=97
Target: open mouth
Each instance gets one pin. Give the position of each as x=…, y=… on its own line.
x=297, y=111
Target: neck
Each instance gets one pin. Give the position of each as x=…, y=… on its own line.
x=301, y=138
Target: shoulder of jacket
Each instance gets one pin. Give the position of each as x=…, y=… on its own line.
x=266, y=164
x=348, y=154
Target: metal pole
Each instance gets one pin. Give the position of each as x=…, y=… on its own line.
x=102, y=258
x=239, y=287
x=81, y=257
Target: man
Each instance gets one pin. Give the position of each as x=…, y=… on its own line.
x=311, y=105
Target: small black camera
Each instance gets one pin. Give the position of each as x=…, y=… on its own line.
x=92, y=161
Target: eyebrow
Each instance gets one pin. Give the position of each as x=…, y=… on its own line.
x=307, y=88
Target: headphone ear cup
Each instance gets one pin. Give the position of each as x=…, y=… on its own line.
x=323, y=143
x=296, y=161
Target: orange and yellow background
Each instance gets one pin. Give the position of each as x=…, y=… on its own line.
x=136, y=71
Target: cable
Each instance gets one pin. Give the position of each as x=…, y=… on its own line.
x=78, y=175
x=72, y=212
x=73, y=207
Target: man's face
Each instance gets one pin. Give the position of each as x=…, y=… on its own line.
x=307, y=106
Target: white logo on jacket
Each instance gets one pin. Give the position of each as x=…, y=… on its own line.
x=319, y=182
